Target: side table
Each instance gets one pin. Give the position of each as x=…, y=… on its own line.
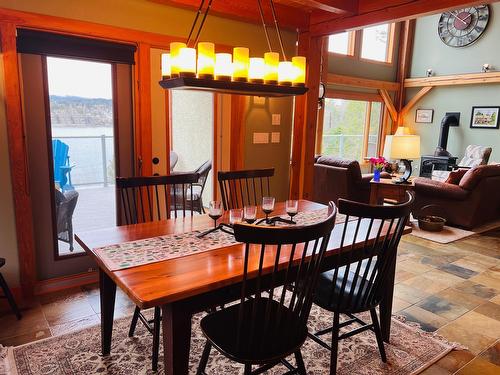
x=387, y=189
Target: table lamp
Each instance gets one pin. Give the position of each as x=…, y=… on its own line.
x=404, y=147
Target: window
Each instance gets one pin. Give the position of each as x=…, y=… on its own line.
x=351, y=128
x=342, y=43
x=377, y=43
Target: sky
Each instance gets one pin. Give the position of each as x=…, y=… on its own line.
x=87, y=79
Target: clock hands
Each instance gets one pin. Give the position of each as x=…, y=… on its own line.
x=458, y=18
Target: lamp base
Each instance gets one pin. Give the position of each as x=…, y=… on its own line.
x=407, y=173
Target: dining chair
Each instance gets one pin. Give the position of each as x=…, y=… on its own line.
x=198, y=188
x=367, y=270
x=145, y=199
x=244, y=187
x=7, y=293
x=269, y=322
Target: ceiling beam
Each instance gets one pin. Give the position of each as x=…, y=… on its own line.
x=247, y=10
x=347, y=7
x=376, y=12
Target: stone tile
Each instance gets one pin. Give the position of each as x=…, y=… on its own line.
x=434, y=261
x=476, y=289
x=492, y=354
x=435, y=370
x=443, y=277
x=408, y=293
x=33, y=321
x=25, y=338
x=442, y=307
x=466, y=335
x=481, y=324
x=474, y=266
x=487, y=278
x=62, y=312
x=467, y=301
x=67, y=295
x=425, y=284
x=402, y=275
x=479, y=366
x=428, y=321
x=398, y=304
x=482, y=260
x=459, y=271
x=453, y=361
x=489, y=309
x=414, y=267
x=496, y=299
x=74, y=325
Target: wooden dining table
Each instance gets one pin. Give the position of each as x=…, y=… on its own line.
x=186, y=285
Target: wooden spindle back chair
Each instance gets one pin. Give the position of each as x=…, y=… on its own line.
x=270, y=321
x=245, y=187
x=145, y=199
x=362, y=273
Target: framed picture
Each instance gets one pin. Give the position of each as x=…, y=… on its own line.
x=484, y=117
x=424, y=116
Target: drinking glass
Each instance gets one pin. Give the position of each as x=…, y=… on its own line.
x=292, y=207
x=267, y=206
x=215, y=211
x=235, y=215
x=250, y=214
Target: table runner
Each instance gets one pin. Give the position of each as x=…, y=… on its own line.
x=157, y=249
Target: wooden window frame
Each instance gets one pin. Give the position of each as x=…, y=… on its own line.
x=351, y=45
x=390, y=50
x=369, y=98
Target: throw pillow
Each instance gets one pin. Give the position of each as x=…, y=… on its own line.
x=455, y=176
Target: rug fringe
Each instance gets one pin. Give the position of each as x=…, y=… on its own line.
x=7, y=363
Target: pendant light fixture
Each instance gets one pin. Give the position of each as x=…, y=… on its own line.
x=200, y=68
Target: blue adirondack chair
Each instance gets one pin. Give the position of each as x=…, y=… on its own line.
x=62, y=168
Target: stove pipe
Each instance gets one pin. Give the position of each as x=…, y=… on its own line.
x=447, y=121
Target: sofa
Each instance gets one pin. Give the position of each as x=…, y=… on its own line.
x=475, y=200
x=336, y=178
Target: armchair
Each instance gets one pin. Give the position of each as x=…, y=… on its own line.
x=62, y=168
x=474, y=155
x=65, y=206
x=474, y=201
x=336, y=178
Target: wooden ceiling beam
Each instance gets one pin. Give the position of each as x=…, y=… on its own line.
x=453, y=80
x=347, y=7
x=373, y=12
x=339, y=79
x=247, y=10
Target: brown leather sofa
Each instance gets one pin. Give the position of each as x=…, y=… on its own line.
x=474, y=201
x=336, y=178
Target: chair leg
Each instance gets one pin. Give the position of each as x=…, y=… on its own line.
x=156, y=337
x=378, y=334
x=204, y=359
x=301, y=368
x=10, y=297
x=248, y=370
x=335, y=343
x=133, y=324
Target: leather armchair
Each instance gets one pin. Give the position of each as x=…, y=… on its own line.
x=336, y=178
x=475, y=201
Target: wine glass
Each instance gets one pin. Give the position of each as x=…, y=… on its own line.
x=215, y=211
x=235, y=215
x=267, y=206
x=250, y=214
x=292, y=207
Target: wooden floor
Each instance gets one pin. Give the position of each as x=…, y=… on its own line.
x=451, y=289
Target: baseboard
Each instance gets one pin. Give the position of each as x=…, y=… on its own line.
x=66, y=282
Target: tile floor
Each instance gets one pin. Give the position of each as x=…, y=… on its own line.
x=452, y=289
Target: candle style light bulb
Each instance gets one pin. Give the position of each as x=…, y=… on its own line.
x=175, y=48
x=166, y=65
x=299, y=67
x=223, y=66
x=187, y=62
x=285, y=73
x=271, y=60
x=206, y=60
x=240, y=63
x=256, y=70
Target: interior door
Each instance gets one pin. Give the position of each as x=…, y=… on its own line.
x=97, y=134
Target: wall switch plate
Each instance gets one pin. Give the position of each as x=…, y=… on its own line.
x=260, y=100
x=276, y=119
x=456, y=114
x=275, y=137
x=260, y=138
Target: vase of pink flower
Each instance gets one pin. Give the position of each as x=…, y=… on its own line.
x=378, y=166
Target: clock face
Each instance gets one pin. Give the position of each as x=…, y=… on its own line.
x=462, y=27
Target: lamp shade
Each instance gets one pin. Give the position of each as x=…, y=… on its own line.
x=404, y=147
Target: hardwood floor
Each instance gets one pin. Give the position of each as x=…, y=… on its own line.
x=451, y=289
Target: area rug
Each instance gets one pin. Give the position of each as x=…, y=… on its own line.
x=410, y=352
x=451, y=234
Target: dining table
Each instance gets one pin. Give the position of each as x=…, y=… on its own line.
x=185, y=285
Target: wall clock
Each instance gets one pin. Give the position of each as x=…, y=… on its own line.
x=462, y=27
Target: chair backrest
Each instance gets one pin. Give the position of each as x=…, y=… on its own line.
x=203, y=171
x=245, y=187
x=475, y=155
x=361, y=272
x=60, y=152
x=65, y=206
x=174, y=158
x=300, y=250
x=146, y=199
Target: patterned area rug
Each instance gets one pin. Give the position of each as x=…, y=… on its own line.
x=410, y=352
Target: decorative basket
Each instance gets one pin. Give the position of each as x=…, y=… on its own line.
x=430, y=223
